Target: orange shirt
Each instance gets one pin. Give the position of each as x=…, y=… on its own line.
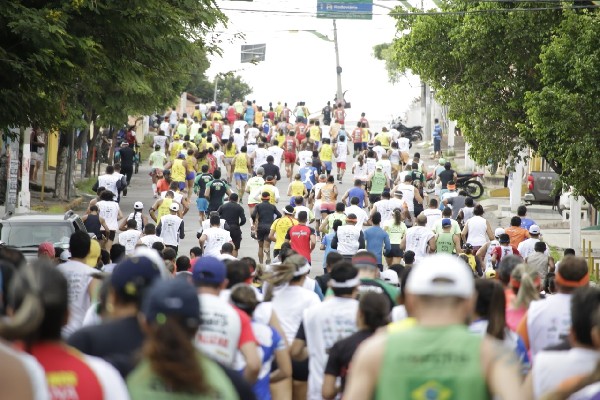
x=516, y=234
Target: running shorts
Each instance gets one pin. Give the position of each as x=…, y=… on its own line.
x=328, y=165
x=110, y=236
x=238, y=176
x=262, y=233
x=202, y=204
x=236, y=236
x=290, y=157
x=341, y=165
x=190, y=176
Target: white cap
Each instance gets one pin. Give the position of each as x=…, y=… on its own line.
x=441, y=275
x=174, y=207
x=65, y=255
x=534, y=229
x=138, y=205
x=390, y=276
x=498, y=232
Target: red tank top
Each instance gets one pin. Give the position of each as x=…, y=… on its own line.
x=69, y=377
x=290, y=144
x=339, y=115
x=357, y=135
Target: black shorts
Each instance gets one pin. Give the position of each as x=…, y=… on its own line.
x=357, y=146
x=374, y=198
x=276, y=252
x=395, y=251
x=172, y=247
x=110, y=236
x=236, y=237
x=300, y=370
x=262, y=233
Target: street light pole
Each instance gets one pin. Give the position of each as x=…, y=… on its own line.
x=338, y=69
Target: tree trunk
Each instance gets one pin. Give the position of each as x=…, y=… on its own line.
x=61, y=169
x=92, y=145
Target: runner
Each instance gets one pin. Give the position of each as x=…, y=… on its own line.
x=94, y=223
x=263, y=216
x=357, y=191
x=109, y=210
x=359, y=170
x=446, y=241
x=241, y=170
x=130, y=237
x=296, y=188
x=253, y=188
x=233, y=214
x=325, y=323
x=178, y=171
x=157, y=161
x=170, y=228
x=326, y=156
x=200, y=183
x=301, y=237
x=349, y=238
x=396, y=230
x=328, y=196
x=419, y=239
x=216, y=191
x=477, y=230
x=290, y=146
x=280, y=228
x=342, y=151
x=378, y=183
x=377, y=240
x=213, y=238
x=361, y=215
x=357, y=139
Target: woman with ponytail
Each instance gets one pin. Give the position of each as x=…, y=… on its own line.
x=396, y=229
x=525, y=282
x=171, y=367
x=38, y=303
x=373, y=312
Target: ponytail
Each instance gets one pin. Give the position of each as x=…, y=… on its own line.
x=525, y=281
x=375, y=310
x=397, y=216
x=173, y=357
x=283, y=274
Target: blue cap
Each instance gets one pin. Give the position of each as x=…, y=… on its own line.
x=446, y=222
x=133, y=275
x=209, y=270
x=172, y=297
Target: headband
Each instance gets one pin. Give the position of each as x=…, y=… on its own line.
x=517, y=284
x=302, y=270
x=560, y=280
x=350, y=283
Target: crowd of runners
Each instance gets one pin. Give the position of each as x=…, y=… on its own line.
x=421, y=296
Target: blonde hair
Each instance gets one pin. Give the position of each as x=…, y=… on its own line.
x=527, y=291
x=283, y=273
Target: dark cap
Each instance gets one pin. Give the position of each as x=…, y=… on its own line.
x=364, y=259
x=173, y=297
x=209, y=270
x=134, y=274
x=446, y=222
x=504, y=238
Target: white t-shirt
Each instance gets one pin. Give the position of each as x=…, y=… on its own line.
x=173, y=118
x=289, y=303
x=165, y=127
x=433, y=215
x=404, y=144
x=161, y=141
x=170, y=229
x=550, y=368
x=129, y=239
x=387, y=168
x=149, y=240
x=341, y=151
x=526, y=247
x=380, y=151
x=383, y=207
x=348, y=236
x=206, y=224
x=109, y=210
x=238, y=140
x=408, y=195
x=194, y=129
x=219, y=335
x=78, y=277
x=138, y=220
x=177, y=197
x=260, y=157
x=35, y=372
x=303, y=157
x=477, y=231
x=548, y=321
x=371, y=165
x=277, y=153
x=219, y=155
x=215, y=238
x=417, y=240
x=324, y=325
x=297, y=210
x=361, y=215
x=109, y=182
x=252, y=135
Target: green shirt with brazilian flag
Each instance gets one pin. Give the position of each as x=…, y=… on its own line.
x=442, y=363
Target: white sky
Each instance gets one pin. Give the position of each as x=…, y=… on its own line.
x=301, y=67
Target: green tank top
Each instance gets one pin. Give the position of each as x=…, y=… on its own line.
x=432, y=363
x=334, y=217
x=445, y=243
x=378, y=182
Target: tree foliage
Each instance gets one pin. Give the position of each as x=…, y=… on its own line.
x=514, y=75
x=229, y=87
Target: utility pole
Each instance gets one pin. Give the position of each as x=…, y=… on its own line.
x=216, y=88
x=24, y=195
x=338, y=69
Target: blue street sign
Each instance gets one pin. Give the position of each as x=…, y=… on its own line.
x=345, y=9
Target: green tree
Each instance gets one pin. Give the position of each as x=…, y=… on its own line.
x=231, y=87
x=563, y=114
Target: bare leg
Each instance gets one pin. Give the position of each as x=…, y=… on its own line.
x=261, y=254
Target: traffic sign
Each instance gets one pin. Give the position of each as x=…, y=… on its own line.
x=345, y=9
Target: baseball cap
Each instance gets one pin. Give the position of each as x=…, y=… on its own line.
x=442, y=161
x=309, y=161
x=390, y=276
x=174, y=207
x=180, y=155
x=322, y=177
x=498, y=232
x=534, y=230
x=260, y=171
x=124, y=144
x=364, y=259
x=173, y=297
x=47, y=249
x=176, y=136
x=133, y=275
x=65, y=255
x=209, y=270
x=504, y=238
x=446, y=222
x=398, y=193
x=138, y=205
x=92, y=258
x=289, y=210
x=441, y=275
x=379, y=166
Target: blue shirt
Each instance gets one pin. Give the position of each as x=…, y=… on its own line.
x=327, y=242
x=357, y=192
x=377, y=239
x=269, y=341
x=526, y=223
x=307, y=175
x=437, y=132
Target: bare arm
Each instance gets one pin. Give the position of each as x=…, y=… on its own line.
x=501, y=370
x=284, y=366
x=465, y=232
x=366, y=365
x=298, y=350
x=250, y=352
x=329, y=389
x=489, y=231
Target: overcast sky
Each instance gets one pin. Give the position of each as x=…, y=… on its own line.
x=301, y=67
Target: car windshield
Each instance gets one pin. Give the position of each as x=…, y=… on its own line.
x=32, y=234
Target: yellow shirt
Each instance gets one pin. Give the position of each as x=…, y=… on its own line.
x=163, y=209
x=270, y=189
x=326, y=152
x=175, y=148
x=191, y=163
x=259, y=117
x=230, y=153
x=384, y=139
x=281, y=227
x=178, y=171
x=280, y=140
x=297, y=188
x=365, y=135
x=315, y=133
x=241, y=163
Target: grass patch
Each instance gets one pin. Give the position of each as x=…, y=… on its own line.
x=146, y=148
x=50, y=209
x=85, y=186
x=556, y=253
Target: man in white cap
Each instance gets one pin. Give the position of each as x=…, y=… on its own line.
x=170, y=228
x=526, y=247
x=485, y=252
x=438, y=358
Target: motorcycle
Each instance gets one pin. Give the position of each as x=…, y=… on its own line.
x=414, y=133
x=470, y=182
